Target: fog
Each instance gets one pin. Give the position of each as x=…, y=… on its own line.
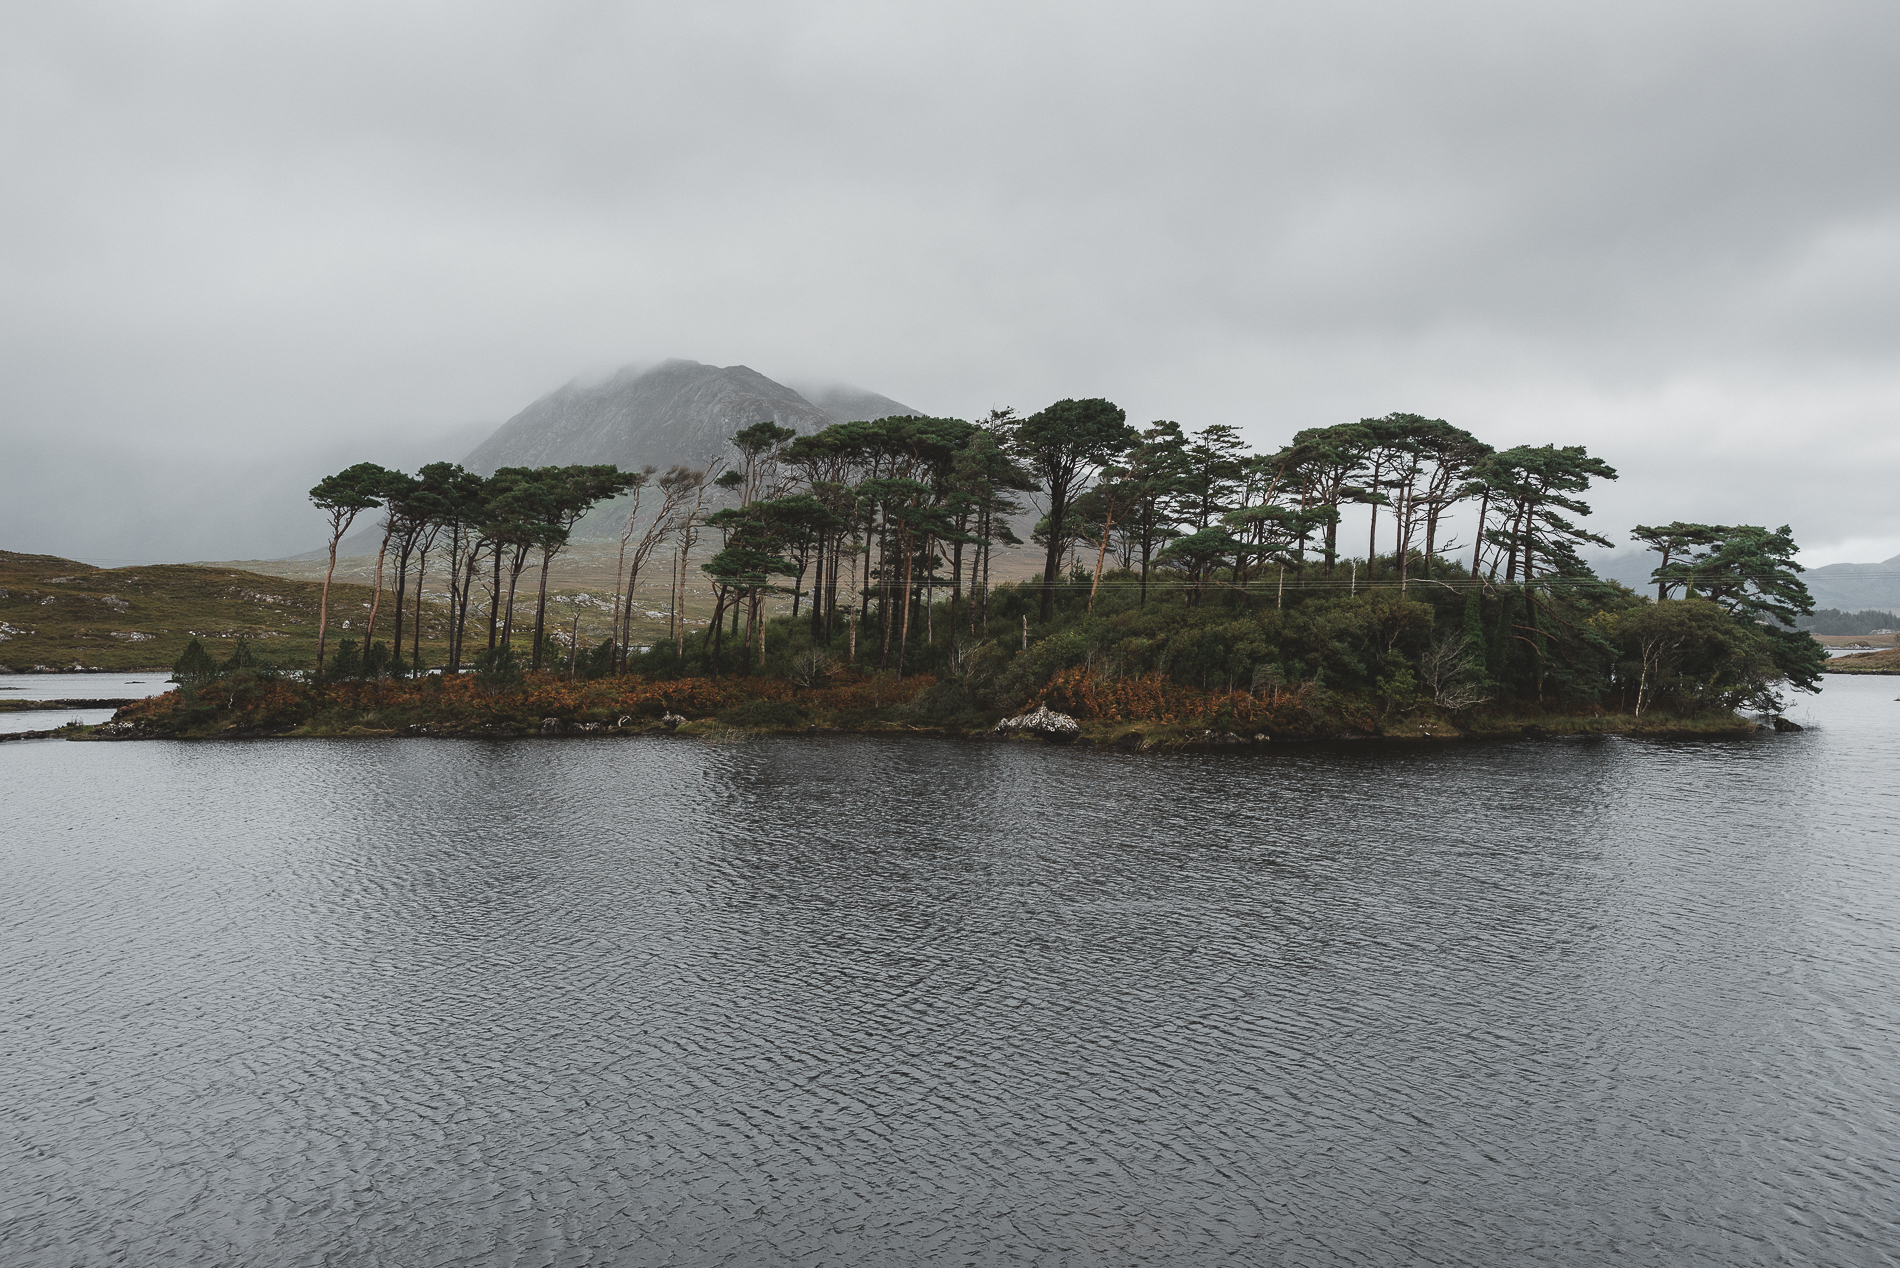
x=247, y=244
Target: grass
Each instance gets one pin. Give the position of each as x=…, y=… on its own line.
x=1881, y=662
x=58, y=614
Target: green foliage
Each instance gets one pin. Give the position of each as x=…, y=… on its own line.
x=598, y=662
x=498, y=668
x=1246, y=544
x=1694, y=654
x=195, y=668
x=347, y=662
x=1750, y=571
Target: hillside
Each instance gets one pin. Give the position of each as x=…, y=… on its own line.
x=1881, y=662
x=61, y=614
x=675, y=412
x=1852, y=586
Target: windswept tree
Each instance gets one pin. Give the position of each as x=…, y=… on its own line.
x=394, y=491
x=985, y=477
x=1063, y=446
x=343, y=497
x=563, y=496
x=1452, y=453
x=1750, y=572
x=513, y=511
x=1679, y=544
x=462, y=504
x=430, y=512
x=677, y=487
x=1327, y=462
x=741, y=570
x=1532, y=491
x=1154, y=474
x=761, y=448
x=1198, y=555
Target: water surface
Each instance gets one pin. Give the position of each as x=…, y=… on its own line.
x=862, y=1001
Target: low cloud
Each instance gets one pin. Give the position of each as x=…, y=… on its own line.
x=246, y=243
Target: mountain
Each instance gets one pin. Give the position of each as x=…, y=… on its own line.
x=1631, y=567
x=1851, y=587
x=675, y=412
x=849, y=404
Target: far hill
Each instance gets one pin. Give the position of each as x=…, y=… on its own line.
x=675, y=412
x=1848, y=587
x=1851, y=586
x=60, y=614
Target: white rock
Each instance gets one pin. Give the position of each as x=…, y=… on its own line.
x=1041, y=721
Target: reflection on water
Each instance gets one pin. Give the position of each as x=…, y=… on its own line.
x=874, y=1002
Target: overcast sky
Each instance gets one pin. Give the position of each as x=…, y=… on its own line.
x=245, y=244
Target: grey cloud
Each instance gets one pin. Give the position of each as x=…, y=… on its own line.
x=242, y=238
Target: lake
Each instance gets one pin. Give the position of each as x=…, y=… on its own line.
x=876, y=1001
x=72, y=687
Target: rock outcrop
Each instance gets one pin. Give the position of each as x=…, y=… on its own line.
x=1042, y=721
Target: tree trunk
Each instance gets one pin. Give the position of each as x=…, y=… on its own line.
x=415, y=638
x=1052, y=562
x=1147, y=548
x=956, y=576
x=818, y=590
x=494, y=602
x=983, y=611
x=323, y=606
x=514, y=579
x=718, y=631
x=1101, y=553
x=375, y=599
x=620, y=572
x=884, y=597
x=402, y=592
x=903, y=644
x=541, y=604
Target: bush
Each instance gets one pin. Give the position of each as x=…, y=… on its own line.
x=497, y=668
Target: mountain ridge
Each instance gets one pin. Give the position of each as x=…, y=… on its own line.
x=678, y=411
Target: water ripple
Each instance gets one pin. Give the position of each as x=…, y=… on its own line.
x=861, y=1001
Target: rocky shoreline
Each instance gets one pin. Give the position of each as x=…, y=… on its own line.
x=1039, y=726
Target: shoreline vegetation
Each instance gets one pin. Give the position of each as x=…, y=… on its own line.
x=1193, y=592
x=1884, y=661
x=1146, y=713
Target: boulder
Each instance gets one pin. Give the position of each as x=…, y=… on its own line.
x=1043, y=721
x=551, y=726
x=1782, y=724
x=672, y=721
